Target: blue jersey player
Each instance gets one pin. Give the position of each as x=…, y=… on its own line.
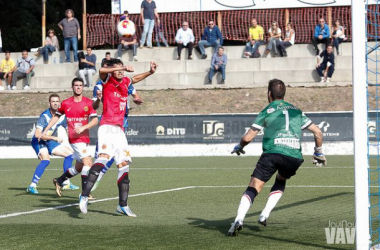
x=50, y=144
x=97, y=98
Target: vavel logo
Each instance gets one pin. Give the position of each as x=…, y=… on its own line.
x=213, y=130
x=163, y=133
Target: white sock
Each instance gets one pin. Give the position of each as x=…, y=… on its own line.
x=33, y=184
x=85, y=170
x=73, y=171
x=100, y=176
x=273, y=198
x=66, y=182
x=245, y=204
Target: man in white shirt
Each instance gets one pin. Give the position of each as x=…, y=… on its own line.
x=185, y=38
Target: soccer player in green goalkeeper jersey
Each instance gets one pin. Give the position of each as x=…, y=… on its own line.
x=282, y=124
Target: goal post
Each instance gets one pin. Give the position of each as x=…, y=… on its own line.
x=360, y=113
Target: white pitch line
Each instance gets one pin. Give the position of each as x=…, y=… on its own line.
x=101, y=200
x=291, y=186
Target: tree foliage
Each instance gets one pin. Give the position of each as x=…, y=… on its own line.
x=21, y=20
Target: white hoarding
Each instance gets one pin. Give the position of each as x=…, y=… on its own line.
x=134, y=6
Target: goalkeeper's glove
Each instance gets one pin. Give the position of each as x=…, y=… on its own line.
x=319, y=158
x=238, y=149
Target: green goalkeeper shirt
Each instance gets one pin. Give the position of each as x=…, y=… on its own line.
x=282, y=124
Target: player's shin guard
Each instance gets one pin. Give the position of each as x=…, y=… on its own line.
x=67, y=162
x=245, y=203
x=71, y=172
x=123, y=184
x=84, y=175
x=274, y=196
x=39, y=172
x=93, y=175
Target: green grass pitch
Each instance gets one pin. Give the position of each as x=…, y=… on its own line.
x=196, y=217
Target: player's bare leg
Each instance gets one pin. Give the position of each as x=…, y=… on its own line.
x=123, y=184
x=275, y=195
x=253, y=189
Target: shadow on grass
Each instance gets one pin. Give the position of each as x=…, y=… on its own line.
x=223, y=225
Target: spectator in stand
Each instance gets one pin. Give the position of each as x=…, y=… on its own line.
x=338, y=35
x=288, y=41
x=6, y=69
x=23, y=69
x=255, y=39
x=218, y=63
x=51, y=45
x=326, y=68
x=185, y=39
x=106, y=60
x=127, y=43
x=321, y=35
x=274, y=39
x=1, y=43
x=148, y=12
x=89, y=68
x=160, y=35
x=211, y=37
x=71, y=34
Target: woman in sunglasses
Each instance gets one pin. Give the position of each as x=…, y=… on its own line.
x=51, y=45
x=275, y=38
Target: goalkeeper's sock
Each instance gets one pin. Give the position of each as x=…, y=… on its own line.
x=84, y=175
x=93, y=175
x=71, y=172
x=274, y=196
x=39, y=172
x=123, y=184
x=67, y=162
x=245, y=203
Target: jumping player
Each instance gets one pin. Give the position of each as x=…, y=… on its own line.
x=111, y=137
x=49, y=144
x=97, y=98
x=282, y=123
x=78, y=110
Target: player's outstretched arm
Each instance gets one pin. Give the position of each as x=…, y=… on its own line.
x=43, y=135
x=245, y=140
x=319, y=158
x=142, y=76
x=104, y=71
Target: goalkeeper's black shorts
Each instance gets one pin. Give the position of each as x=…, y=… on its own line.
x=269, y=163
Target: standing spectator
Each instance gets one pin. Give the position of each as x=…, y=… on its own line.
x=23, y=69
x=1, y=43
x=160, y=35
x=51, y=45
x=71, y=34
x=321, y=35
x=106, y=60
x=338, y=35
x=211, y=37
x=185, y=38
x=255, y=39
x=274, y=40
x=148, y=12
x=218, y=63
x=288, y=41
x=128, y=43
x=6, y=69
x=89, y=68
x=326, y=68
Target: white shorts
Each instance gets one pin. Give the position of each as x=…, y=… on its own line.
x=112, y=141
x=81, y=150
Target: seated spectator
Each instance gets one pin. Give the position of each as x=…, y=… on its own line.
x=106, y=60
x=185, y=39
x=23, y=69
x=218, y=63
x=211, y=37
x=128, y=43
x=255, y=39
x=326, y=68
x=288, y=41
x=160, y=35
x=321, y=35
x=51, y=45
x=338, y=35
x=89, y=68
x=274, y=39
x=6, y=69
